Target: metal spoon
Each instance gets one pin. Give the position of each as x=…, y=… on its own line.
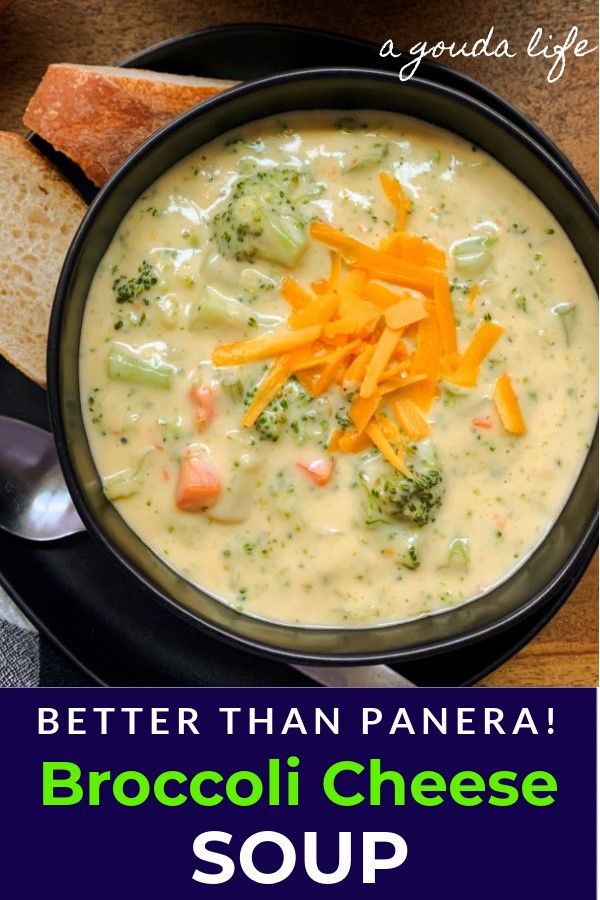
x=35, y=504
x=34, y=500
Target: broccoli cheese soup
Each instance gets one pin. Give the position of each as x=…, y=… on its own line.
x=340, y=369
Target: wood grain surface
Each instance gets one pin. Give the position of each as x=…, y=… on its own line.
x=34, y=33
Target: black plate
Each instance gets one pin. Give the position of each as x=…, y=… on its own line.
x=100, y=615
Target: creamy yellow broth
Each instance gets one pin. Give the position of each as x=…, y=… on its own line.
x=303, y=553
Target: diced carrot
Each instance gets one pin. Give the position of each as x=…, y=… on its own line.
x=318, y=470
x=198, y=485
x=507, y=404
x=482, y=422
x=203, y=397
x=264, y=347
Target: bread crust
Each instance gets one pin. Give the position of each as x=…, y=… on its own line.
x=98, y=115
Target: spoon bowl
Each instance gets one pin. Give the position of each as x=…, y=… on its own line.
x=34, y=500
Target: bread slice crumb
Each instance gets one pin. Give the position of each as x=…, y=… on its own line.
x=39, y=213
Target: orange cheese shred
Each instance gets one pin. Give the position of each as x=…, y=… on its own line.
x=362, y=411
x=328, y=374
x=396, y=384
x=414, y=249
x=264, y=347
x=381, y=324
x=410, y=418
x=382, y=296
x=273, y=380
x=294, y=295
x=507, y=404
x=405, y=313
x=426, y=360
x=350, y=441
x=356, y=370
x=472, y=295
x=378, y=264
x=396, y=458
x=317, y=311
x=395, y=194
x=383, y=351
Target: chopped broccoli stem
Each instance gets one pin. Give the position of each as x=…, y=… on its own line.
x=458, y=554
x=566, y=315
x=372, y=157
x=472, y=254
x=125, y=364
x=410, y=557
x=214, y=308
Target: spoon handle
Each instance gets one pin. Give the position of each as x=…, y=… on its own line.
x=354, y=676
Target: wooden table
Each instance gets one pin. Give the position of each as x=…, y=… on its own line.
x=34, y=33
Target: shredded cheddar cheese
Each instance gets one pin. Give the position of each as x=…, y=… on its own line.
x=380, y=324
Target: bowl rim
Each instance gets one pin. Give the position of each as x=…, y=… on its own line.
x=564, y=578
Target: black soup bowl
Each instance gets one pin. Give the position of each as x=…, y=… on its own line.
x=552, y=570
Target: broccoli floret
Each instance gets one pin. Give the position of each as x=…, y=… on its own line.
x=416, y=500
x=281, y=412
x=272, y=420
x=262, y=217
x=294, y=411
x=127, y=289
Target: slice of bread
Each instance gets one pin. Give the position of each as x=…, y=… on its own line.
x=97, y=115
x=39, y=212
